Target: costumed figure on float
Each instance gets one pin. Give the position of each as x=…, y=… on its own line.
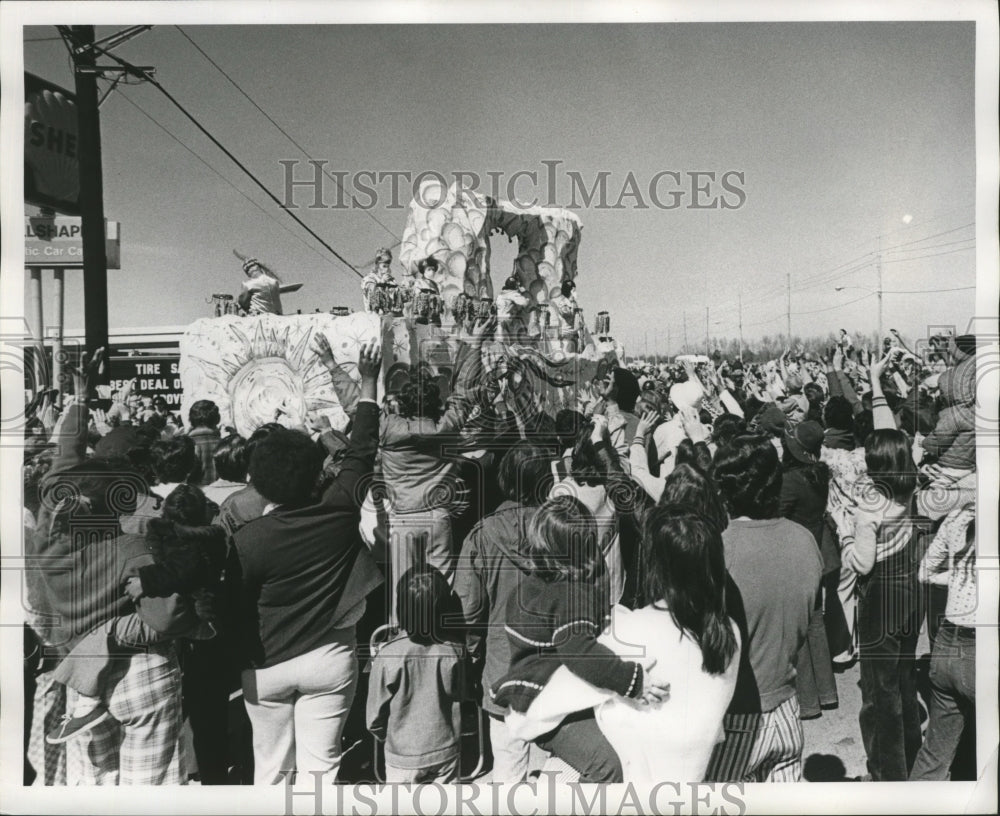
x=382, y=295
x=261, y=292
x=567, y=316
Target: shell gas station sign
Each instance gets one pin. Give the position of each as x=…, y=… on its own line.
x=57, y=241
x=51, y=162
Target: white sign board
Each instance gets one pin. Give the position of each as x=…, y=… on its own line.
x=52, y=241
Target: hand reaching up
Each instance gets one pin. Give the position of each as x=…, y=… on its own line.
x=647, y=422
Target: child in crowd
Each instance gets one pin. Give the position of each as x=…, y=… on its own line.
x=553, y=620
x=188, y=557
x=417, y=683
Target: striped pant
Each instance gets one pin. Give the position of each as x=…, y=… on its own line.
x=137, y=745
x=760, y=747
x=49, y=761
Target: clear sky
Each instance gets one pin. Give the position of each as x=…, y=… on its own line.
x=845, y=132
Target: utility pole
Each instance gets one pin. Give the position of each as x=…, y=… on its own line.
x=878, y=267
x=668, y=344
x=684, y=350
x=645, y=345
x=788, y=312
x=740, y=301
x=708, y=348
x=95, y=263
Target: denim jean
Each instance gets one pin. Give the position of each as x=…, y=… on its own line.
x=815, y=684
x=890, y=611
x=953, y=701
x=579, y=742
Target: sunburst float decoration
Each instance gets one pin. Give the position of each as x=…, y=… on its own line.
x=264, y=368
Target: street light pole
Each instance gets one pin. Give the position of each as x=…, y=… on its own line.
x=740, y=301
x=878, y=266
x=788, y=311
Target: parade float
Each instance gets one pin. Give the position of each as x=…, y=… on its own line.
x=262, y=367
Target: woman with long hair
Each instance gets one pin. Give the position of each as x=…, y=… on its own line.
x=885, y=552
x=552, y=622
x=685, y=629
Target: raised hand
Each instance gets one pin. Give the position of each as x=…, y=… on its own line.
x=484, y=328
x=648, y=421
x=87, y=371
x=691, y=423
x=322, y=348
x=600, y=430
x=370, y=360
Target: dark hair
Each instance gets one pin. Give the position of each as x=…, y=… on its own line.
x=567, y=287
x=726, y=428
x=817, y=474
x=696, y=454
x=284, y=467
x=751, y=407
x=155, y=425
x=420, y=397
x=626, y=389
x=423, y=604
x=187, y=505
x=568, y=426
x=196, y=555
x=686, y=570
x=586, y=466
x=204, y=414
x=524, y=474
x=174, y=459
x=232, y=456
x=889, y=458
x=864, y=424
x=748, y=474
x=814, y=394
x=838, y=414
x=561, y=542
x=694, y=489
x=512, y=283
x=428, y=263
x=259, y=435
x=160, y=401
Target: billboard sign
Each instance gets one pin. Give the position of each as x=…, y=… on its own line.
x=155, y=376
x=51, y=241
x=51, y=144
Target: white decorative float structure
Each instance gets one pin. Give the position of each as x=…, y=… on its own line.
x=264, y=368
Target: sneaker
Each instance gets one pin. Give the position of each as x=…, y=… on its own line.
x=70, y=727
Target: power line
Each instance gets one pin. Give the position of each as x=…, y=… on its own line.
x=838, y=306
x=936, y=246
x=921, y=291
x=295, y=235
x=931, y=255
x=138, y=72
x=935, y=235
x=284, y=132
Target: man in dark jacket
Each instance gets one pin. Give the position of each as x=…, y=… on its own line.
x=300, y=574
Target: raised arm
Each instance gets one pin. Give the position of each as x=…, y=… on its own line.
x=359, y=461
x=639, y=460
x=881, y=413
x=468, y=377
x=72, y=435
